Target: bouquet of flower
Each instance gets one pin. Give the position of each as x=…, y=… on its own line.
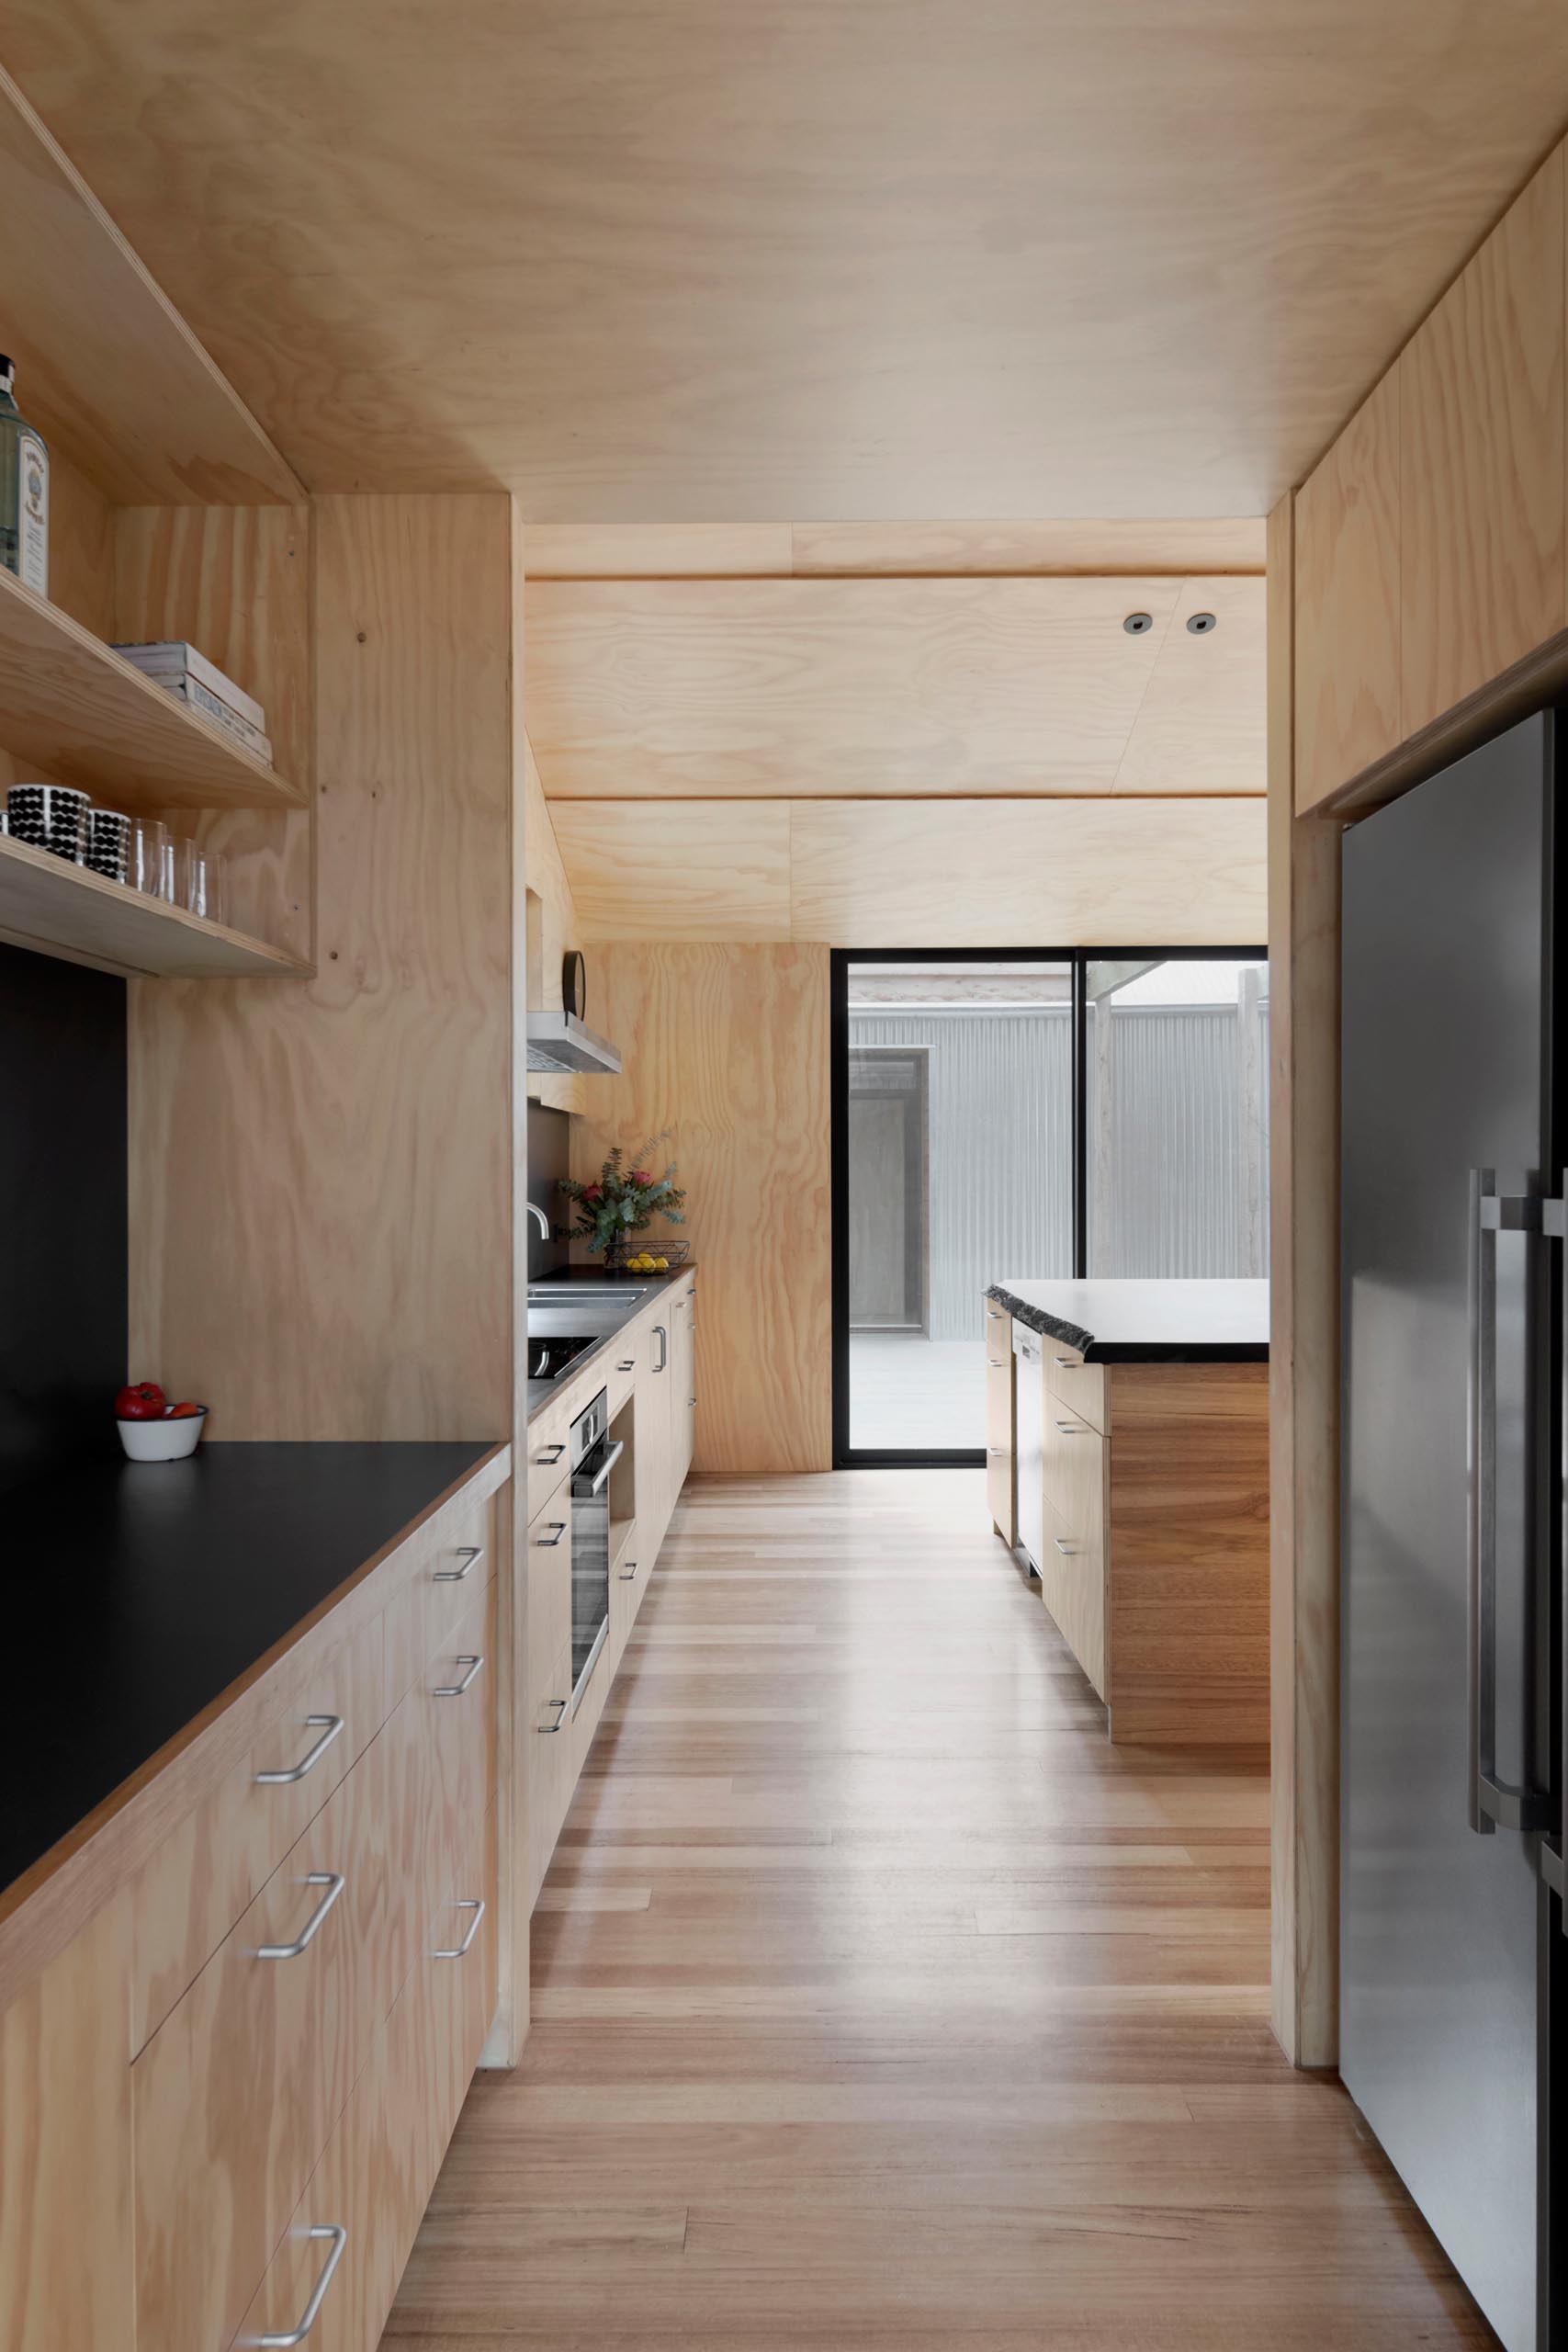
x=621, y=1201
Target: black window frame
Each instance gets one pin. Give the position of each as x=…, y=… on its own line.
x=1078, y=959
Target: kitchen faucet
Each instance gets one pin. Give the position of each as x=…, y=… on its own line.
x=543, y=1221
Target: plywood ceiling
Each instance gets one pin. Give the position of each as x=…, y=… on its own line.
x=826, y=259
x=828, y=688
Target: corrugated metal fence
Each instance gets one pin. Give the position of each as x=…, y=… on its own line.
x=1178, y=1177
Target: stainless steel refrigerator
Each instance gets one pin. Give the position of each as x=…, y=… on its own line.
x=1451, y=1943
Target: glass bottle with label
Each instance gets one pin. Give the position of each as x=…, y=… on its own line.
x=24, y=491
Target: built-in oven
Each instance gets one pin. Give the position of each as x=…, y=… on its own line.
x=593, y=1454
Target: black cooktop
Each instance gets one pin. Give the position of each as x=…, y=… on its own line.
x=547, y=1359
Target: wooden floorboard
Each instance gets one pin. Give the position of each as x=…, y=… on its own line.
x=880, y=2003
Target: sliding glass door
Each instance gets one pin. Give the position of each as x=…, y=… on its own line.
x=956, y=1166
x=1033, y=1114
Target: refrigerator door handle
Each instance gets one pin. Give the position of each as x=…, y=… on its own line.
x=1493, y=1804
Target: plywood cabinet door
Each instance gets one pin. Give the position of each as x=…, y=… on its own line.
x=1000, y=1442
x=1483, y=478
x=683, y=1396
x=1347, y=593
x=66, y=2278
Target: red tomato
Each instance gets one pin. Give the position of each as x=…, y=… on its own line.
x=142, y=1401
x=181, y=1412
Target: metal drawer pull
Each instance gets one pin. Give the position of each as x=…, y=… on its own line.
x=1072, y=1429
x=474, y=1902
x=455, y=1690
x=629, y=1366
x=312, y=2310
x=547, y=1542
x=1068, y=1364
x=691, y=1401
x=551, y=1454
x=560, y=1706
x=1066, y=1550
x=663, y=1336
x=996, y=1363
x=628, y=1572
x=470, y=1556
x=285, y=1778
x=613, y=1454
x=997, y=1452
x=334, y=1883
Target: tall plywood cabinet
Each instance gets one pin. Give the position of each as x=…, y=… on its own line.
x=1432, y=539
x=326, y=1106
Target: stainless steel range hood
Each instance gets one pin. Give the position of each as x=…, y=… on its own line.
x=562, y=1044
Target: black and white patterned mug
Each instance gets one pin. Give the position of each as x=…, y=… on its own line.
x=108, y=844
x=49, y=816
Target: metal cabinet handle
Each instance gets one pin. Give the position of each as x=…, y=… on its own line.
x=1072, y=1429
x=629, y=1366
x=288, y=1774
x=997, y=1452
x=312, y=2310
x=546, y=1543
x=475, y=1904
x=470, y=1556
x=455, y=1690
x=550, y=1456
x=560, y=1706
x=691, y=1402
x=1493, y=1804
x=334, y=1883
x=1068, y=1364
x=1068, y=1549
x=613, y=1454
x=996, y=1363
x=663, y=1336
x=628, y=1572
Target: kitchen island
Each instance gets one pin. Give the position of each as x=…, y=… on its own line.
x=1128, y=1465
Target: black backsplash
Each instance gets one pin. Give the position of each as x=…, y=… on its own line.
x=63, y=1206
x=549, y=1159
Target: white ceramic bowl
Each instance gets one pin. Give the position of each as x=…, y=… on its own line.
x=164, y=1440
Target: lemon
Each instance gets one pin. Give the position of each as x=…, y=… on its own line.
x=661, y=1265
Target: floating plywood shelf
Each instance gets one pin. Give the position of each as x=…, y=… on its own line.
x=107, y=368
x=79, y=712
x=62, y=910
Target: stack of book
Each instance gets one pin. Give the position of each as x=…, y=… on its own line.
x=182, y=671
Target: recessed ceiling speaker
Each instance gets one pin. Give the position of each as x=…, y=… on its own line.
x=1138, y=624
x=1201, y=623
x=574, y=984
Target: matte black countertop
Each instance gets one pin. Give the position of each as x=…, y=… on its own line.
x=607, y=1303
x=138, y=1592
x=1111, y=1322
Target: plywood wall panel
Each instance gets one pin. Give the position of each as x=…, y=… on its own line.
x=1484, y=471
x=691, y=870
x=728, y=1047
x=967, y=873
x=805, y=551
x=321, y=1170
x=1347, y=612
x=920, y=873
x=780, y=688
x=552, y=927
x=1201, y=725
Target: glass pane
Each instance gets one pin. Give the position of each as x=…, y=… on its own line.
x=1177, y=1154
x=960, y=1172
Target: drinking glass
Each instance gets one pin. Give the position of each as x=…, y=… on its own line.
x=152, y=866
x=200, y=880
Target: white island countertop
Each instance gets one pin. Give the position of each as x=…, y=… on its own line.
x=1110, y=1321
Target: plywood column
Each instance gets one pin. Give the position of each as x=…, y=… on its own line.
x=1303, y=932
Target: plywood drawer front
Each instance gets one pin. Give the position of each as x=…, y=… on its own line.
x=1072, y=1585
x=1074, y=1471
x=1000, y=1436
x=215, y=1861
x=1078, y=1386
x=455, y=1570
x=548, y=1435
x=459, y=1713
x=236, y=2093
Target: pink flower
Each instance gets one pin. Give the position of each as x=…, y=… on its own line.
x=641, y=1176
x=594, y=1192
